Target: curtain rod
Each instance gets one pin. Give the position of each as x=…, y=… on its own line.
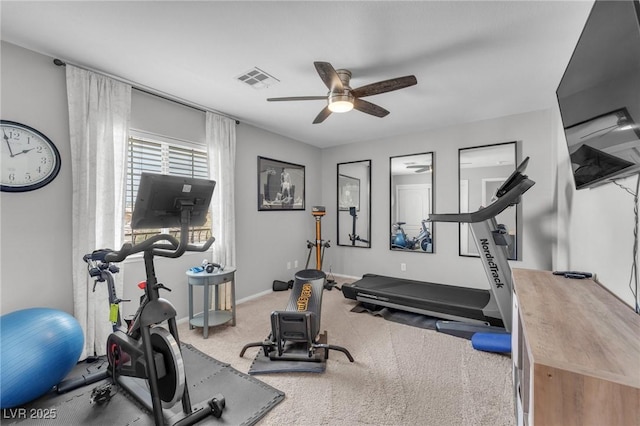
x=148, y=90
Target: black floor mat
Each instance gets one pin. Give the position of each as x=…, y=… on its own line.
x=396, y=315
x=262, y=364
x=247, y=399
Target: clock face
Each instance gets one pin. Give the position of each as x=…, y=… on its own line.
x=29, y=159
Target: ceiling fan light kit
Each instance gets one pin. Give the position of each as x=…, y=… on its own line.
x=341, y=102
x=342, y=98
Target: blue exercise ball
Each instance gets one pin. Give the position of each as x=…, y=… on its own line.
x=38, y=348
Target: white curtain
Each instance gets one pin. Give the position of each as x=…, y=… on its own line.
x=221, y=145
x=99, y=115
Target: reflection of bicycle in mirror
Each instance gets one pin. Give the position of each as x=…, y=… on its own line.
x=399, y=239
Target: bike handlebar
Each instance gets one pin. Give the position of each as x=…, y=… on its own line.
x=165, y=250
x=120, y=255
x=173, y=248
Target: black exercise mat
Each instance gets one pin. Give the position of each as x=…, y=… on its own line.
x=247, y=399
x=396, y=315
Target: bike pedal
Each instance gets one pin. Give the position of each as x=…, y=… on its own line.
x=101, y=394
x=217, y=405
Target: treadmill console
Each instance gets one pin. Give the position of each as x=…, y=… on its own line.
x=516, y=177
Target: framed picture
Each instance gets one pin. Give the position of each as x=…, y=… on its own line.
x=348, y=192
x=280, y=185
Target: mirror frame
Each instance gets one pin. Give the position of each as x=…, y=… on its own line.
x=517, y=154
x=364, y=241
x=430, y=225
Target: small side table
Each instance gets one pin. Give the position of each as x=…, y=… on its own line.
x=208, y=317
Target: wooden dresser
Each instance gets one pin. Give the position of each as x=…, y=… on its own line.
x=576, y=353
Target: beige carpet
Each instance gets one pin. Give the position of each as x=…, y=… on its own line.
x=402, y=375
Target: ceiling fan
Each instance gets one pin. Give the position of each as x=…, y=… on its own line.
x=342, y=98
x=420, y=168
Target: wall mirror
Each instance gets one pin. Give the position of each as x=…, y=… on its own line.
x=354, y=204
x=481, y=171
x=411, y=202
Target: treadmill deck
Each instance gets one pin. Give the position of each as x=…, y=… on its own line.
x=452, y=302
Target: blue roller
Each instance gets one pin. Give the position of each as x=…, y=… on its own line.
x=38, y=348
x=492, y=342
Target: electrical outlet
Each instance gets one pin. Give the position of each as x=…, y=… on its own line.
x=403, y=266
x=295, y=263
x=288, y=265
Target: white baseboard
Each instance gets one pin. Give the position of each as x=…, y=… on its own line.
x=345, y=276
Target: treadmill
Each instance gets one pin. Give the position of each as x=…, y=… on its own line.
x=471, y=309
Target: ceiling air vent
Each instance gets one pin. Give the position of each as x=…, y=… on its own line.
x=257, y=78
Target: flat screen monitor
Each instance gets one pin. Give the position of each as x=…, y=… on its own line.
x=162, y=198
x=512, y=181
x=599, y=95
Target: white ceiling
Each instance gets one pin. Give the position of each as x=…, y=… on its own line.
x=473, y=59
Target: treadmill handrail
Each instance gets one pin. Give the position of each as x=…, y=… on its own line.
x=510, y=198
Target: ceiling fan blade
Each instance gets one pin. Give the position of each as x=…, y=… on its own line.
x=420, y=169
x=385, y=86
x=299, y=98
x=326, y=112
x=369, y=108
x=329, y=76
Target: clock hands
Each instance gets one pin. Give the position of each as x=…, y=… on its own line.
x=24, y=151
x=6, y=139
x=11, y=154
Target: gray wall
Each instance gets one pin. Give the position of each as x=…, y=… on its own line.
x=594, y=230
x=268, y=240
x=595, y=226
x=445, y=266
x=35, y=227
x=35, y=256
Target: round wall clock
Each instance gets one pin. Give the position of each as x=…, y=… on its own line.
x=29, y=159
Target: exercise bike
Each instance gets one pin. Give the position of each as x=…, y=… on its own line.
x=400, y=240
x=101, y=272
x=147, y=350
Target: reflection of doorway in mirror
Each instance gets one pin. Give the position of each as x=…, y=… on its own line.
x=508, y=216
x=465, y=231
x=481, y=171
x=413, y=200
x=489, y=188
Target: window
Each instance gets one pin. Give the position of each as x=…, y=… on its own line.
x=166, y=158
